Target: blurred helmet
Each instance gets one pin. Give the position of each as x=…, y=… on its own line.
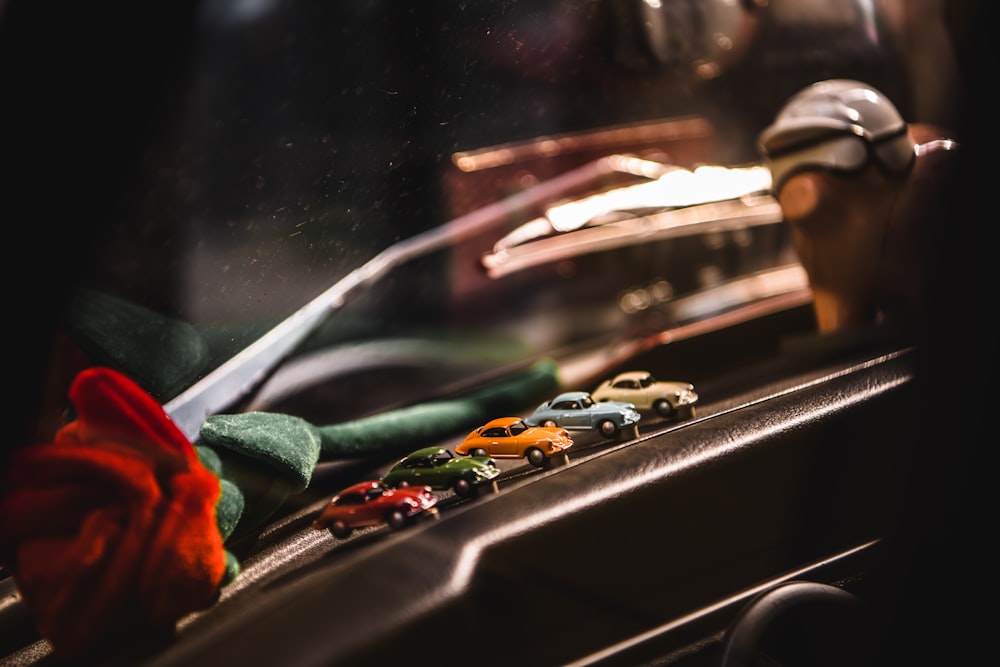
x=838, y=125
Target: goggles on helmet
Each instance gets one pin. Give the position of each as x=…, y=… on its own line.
x=838, y=152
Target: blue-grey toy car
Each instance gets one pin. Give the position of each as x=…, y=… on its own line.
x=577, y=410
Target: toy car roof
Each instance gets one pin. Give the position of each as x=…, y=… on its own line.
x=361, y=487
x=425, y=452
x=631, y=375
x=502, y=421
x=570, y=396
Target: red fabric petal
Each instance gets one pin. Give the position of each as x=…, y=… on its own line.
x=110, y=404
x=112, y=526
x=180, y=552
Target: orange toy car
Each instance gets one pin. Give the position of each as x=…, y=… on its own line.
x=511, y=438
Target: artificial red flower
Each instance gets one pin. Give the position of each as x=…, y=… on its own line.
x=110, y=530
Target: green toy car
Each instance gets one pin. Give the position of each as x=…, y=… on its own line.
x=439, y=468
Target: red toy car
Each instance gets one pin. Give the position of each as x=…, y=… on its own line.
x=373, y=503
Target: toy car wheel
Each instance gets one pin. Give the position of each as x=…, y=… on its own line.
x=608, y=428
x=548, y=423
x=463, y=488
x=663, y=408
x=395, y=519
x=339, y=529
x=479, y=451
x=535, y=457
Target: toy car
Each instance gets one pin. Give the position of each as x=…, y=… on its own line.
x=372, y=503
x=672, y=400
x=438, y=468
x=577, y=410
x=511, y=437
